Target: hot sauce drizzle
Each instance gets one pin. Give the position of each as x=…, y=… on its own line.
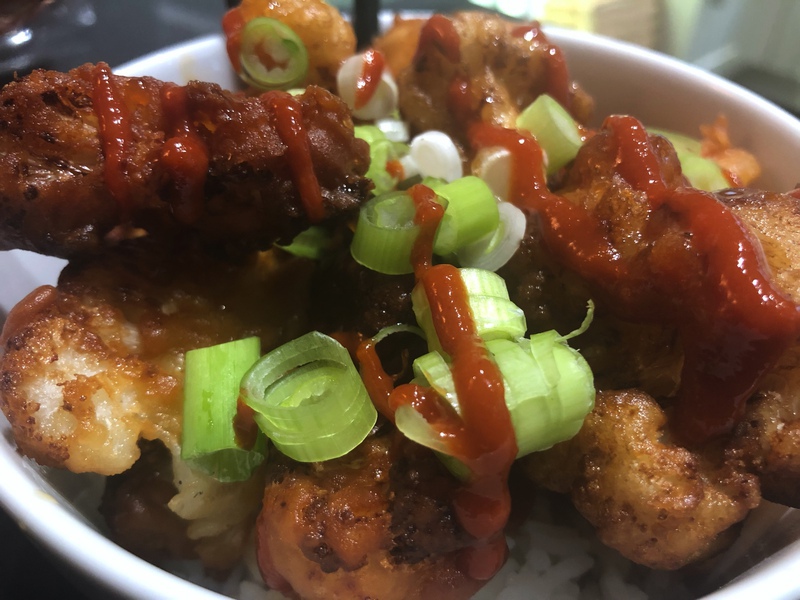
x=232, y=25
x=370, y=78
x=734, y=324
x=439, y=33
x=557, y=74
x=184, y=155
x=482, y=436
x=114, y=128
x=287, y=118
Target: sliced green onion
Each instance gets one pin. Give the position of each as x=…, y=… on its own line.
x=272, y=55
x=313, y=243
x=494, y=315
x=436, y=155
x=211, y=391
x=381, y=152
x=393, y=128
x=382, y=103
x=385, y=234
x=496, y=249
x=549, y=389
x=309, y=399
x=554, y=129
x=702, y=173
x=493, y=166
x=470, y=215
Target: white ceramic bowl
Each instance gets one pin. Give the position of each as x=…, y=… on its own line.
x=624, y=79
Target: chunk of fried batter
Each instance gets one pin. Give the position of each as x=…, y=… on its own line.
x=376, y=523
x=96, y=363
x=61, y=195
x=326, y=34
x=768, y=437
x=655, y=502
x=497, y=72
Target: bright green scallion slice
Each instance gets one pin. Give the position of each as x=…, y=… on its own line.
x=554, y=129
x=211, y=391
x=309, y=399
x=272, y=55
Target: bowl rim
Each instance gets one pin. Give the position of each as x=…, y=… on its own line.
x=79, y=544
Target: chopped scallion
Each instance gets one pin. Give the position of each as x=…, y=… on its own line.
x=211, y=391
x=313, y=242
x=470, y=215
x=272, y=55
x=554, y=129
x=309, y=399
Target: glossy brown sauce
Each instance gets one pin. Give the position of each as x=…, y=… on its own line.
x=370, y=77
x=114, y=129
x=286, y=113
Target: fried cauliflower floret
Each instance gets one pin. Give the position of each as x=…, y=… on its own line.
x=376, y=523
x=327, y=35
x=500, y=71
x=92, y=366
x=655, y=502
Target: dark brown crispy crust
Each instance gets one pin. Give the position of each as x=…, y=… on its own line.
x=53, y=193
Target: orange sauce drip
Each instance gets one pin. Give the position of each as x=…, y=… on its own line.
x=114, y=128
x=557, y=74
x=439, y=34
x=734, y=324
x=482, y=437
x=370, y=78
x=232, y=25
x=184, y=155
x=287, y=117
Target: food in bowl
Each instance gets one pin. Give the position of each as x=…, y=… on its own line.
x=132, y=328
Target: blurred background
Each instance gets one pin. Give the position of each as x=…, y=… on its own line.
x=752, y=43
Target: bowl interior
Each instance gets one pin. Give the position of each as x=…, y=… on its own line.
x=56, y=508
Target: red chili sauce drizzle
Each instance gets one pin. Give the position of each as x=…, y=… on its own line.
x=287, y=117
x=440, y=34
x=184, y=155
x=232, y=25
x=370, y=78
x=482, y=437
x=114, y=128
x=557, y=74
x=734, y=324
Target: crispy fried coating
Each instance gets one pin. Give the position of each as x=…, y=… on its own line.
x=498, y=70
x=96, y=363
x=328, y=37
x=60, y=194
x=768, y=437
x=655, y=502
x=376, y=523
